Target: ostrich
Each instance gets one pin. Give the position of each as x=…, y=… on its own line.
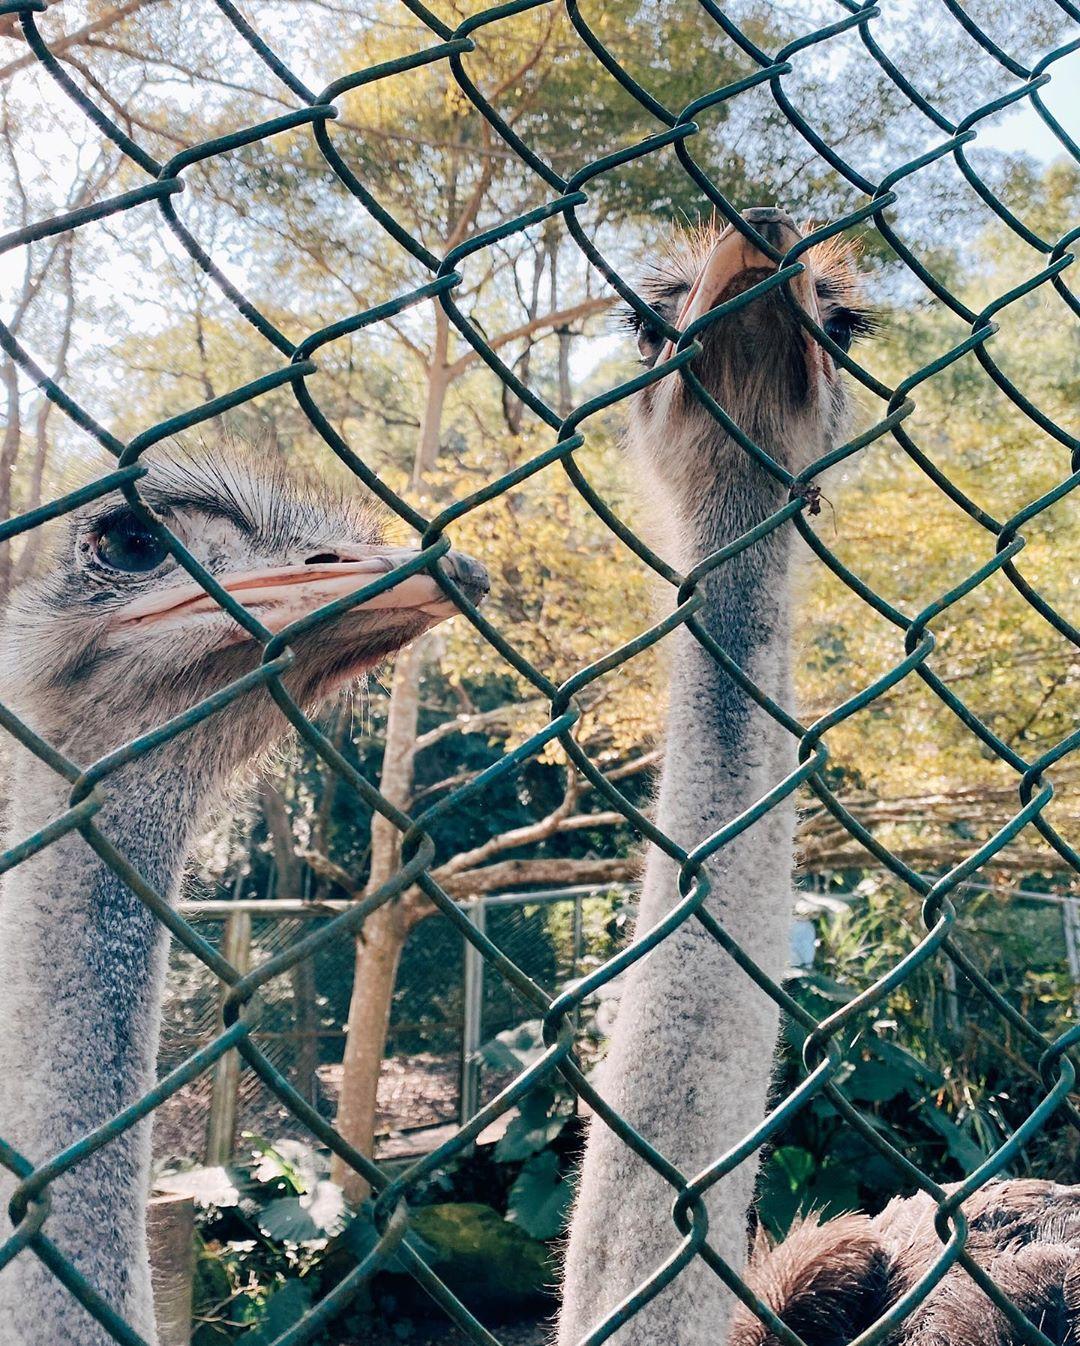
x=114, y=640
x=829, y=1282
x=690, y=1059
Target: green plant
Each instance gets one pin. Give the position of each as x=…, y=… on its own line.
x=264, y=1222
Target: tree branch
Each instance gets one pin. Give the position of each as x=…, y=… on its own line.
x=546, y=320
x=9, y=24
x=78, y=37
x=533, y=873
x=329, y=869
x=470, y=724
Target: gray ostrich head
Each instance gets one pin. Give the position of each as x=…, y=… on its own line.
x=116, y=633
x=778, y=384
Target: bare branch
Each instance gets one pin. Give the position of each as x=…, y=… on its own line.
x=331, y=870
x=471, y=724
x=546, y=320
x=9, y=24
x=78, y=37
x=645, y=762
x=944, y=856
x=536, y=873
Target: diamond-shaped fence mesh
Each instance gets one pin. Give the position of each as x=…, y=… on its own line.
x=434, y=1072
x=675, y=130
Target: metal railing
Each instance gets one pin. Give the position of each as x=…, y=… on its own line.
x=205, y=1119
x=677, y=128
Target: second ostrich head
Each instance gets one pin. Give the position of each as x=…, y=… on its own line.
x=778, y=384
x=689, y=1060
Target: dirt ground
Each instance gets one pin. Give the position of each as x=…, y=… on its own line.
x=415, y=1092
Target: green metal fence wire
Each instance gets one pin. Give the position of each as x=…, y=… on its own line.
x=823, y=1056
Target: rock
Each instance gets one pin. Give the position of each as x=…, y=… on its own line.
x=490, y=1264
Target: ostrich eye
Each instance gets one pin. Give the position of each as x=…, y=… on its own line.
x=839, y=327
x=125, y=543
x=649, y=341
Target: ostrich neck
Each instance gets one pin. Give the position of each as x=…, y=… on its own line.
x=82, y=965
x=690, y=1059
x=721, y=750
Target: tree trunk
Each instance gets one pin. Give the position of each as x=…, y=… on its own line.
x=32, y=540
x=438, y=384
x=377, y=958
x=566, y=392
x=9, y=452
x=170, y=1228
x=383, y=936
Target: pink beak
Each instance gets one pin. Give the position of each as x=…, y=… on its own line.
x=280, y=595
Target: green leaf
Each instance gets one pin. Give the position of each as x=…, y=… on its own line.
x=514, y=1048
x=966, y=1153
x=901, y=1059
x=216, y=1186
x=497, y=1055
x=826, y=987
x=794, y=1165
x=290, y=1161
x=783, y=1183
x=540, y=1197
x=876, y=1082
x=834, y=1189
x=533, y=1129
x=282, y=1310
x=318, y=1214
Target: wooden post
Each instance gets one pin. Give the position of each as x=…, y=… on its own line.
x=221, y=1128
x=170, y=1228
x=472, y=1028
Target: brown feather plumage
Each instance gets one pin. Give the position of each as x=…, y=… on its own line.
x=830, y=1281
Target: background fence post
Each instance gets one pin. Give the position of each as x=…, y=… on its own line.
x=221, y=1128
x=1070, y=923
x=473, y=1016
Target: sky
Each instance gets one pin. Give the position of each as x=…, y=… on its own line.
x=1016, y=130
x=1024, y=129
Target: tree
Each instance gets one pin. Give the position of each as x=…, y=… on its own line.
x=418, y=403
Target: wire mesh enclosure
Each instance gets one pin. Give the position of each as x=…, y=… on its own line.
x=433, y=1071
x=251, y=997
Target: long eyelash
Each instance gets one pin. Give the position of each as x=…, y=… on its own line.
x=863, y=322
x=835, y=263
x=101, y=523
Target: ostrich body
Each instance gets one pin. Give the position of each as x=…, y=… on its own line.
x=830, y=1282
x=112, y=642
x=690, y=1059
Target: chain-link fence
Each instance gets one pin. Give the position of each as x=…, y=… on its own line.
x=434, y=1076
x=947, y=137
x=434, y=1073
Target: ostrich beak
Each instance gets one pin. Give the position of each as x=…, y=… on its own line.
x=735, y=264
x=280, y=595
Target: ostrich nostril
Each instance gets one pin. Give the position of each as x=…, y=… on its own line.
x=322, y=558
x=767, y=215
x=772, y=223
x=469, y=573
